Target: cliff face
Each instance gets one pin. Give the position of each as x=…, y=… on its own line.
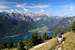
x=11, y=24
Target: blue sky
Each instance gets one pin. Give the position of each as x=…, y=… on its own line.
x=50, y=7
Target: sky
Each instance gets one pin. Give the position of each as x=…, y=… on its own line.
x=49, y=7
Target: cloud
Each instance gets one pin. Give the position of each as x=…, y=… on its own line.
x=7, y=2
x=12, y=10
x=63, y=10
x=25, y=9
x=41, y=6
x=32, y=6
x=3, y=7
x=42, y=10
x=1, y=10
x=19, y=5
x=68, y=10
x=7, y=6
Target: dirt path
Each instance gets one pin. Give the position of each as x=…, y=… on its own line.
x=59, y=46
x=46, y=45
x=49, y=44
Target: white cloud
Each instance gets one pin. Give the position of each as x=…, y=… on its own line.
x=65, y=10
x=3, y=7
x=17, y=10
x=19, y=5
x=68, y=10
x=41, y=6
x=31, y=6
x=6, y=3
x=1, y=10
x=42, y=10
x=25, y=9
x=12, y=10
x=72, y=8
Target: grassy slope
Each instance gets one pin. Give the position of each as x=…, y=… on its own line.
x=10, y=49
x=50, y=44
x=69, y=43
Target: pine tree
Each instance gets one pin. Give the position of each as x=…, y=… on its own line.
x=21, y=46
x=73, y=26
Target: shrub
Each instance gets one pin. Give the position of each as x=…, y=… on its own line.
x=73, y=26
x=21, y=46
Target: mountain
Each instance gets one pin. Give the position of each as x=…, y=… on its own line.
x=17, y=26
x=14, y=23
x=54, y=23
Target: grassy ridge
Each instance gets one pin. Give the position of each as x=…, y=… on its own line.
x=48, y=44
x=51, y=43
x=69, y=43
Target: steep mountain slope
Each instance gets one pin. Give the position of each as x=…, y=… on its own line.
x=55, y=23
x=12, y=24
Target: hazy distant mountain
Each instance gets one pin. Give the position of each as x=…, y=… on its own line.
x=54, y=23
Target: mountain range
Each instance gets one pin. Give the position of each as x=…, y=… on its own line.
x=12, y=24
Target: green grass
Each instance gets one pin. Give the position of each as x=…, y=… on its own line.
x=10, y=49
x=69, y=43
